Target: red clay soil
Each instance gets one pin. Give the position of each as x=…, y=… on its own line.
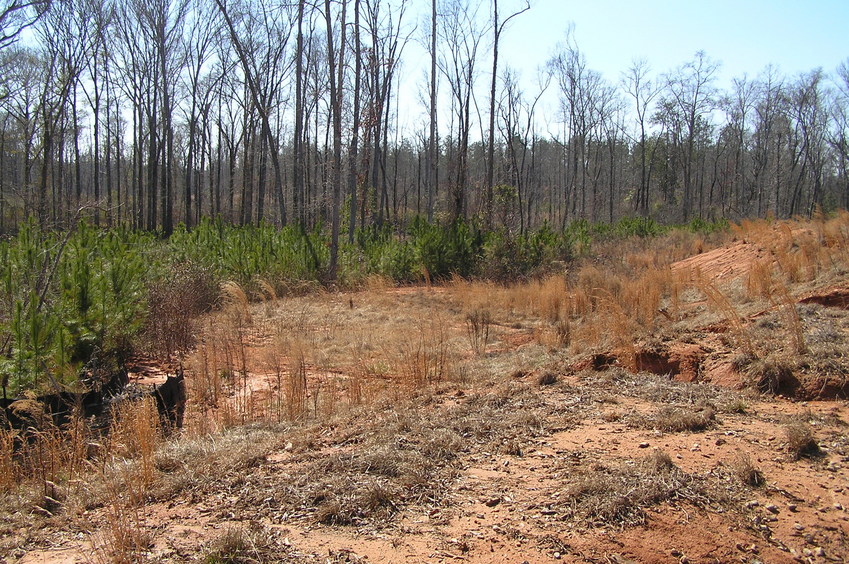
x=724, y=263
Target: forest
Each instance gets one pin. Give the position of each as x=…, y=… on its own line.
x=148, y=114
x=259, y=143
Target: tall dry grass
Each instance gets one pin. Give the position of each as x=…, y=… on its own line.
x=135, y=434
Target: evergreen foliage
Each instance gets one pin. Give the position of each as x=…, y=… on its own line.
x=74, y=304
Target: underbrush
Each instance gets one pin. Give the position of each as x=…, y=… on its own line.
x=78, y=304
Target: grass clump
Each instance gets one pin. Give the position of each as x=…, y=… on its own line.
x=745, y=471
x=618, y=495
x=772, y=375
x=801, y=442
x=678, y=420
x=251, y=543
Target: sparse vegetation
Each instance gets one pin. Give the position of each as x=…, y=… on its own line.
x=368, y=408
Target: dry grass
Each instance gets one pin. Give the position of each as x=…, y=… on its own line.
x=478, y=322
x=691, y=419
x=619, y=494
x=249, y=543
x=745, y=471
x=135, y=434
x=801, y=442
x=8, y=474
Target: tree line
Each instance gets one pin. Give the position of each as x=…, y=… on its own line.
x=148, y=113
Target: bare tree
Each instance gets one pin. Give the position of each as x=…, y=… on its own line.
x=691, y=96
x=461, y=35
x=644, y=91
x=498, y=29
x=15, y=16
x=65, y=45
x=838, y=136
x=263, y=74
x=199, y=46
x=336, y=64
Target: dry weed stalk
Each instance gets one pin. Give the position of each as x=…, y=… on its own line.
x=791, y=318
x=422, y=358
x=296, y=383
x=718, y=299
x=125, y=540
x=135, y=433
x=477, y=328
x=759, y=280
x=9, y=471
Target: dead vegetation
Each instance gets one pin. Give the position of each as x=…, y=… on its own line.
x=619, y=494
x=367, y=411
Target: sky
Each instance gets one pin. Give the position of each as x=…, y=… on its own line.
x=744, y=36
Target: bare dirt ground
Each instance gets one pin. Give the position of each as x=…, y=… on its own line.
x=681, y=447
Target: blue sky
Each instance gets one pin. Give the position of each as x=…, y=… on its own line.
x=743, y=35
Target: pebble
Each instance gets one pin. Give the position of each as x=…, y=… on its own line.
x=557, y=556
x=792, y=507
x=798, y=526
x=720, y=441
x=751, y=504
x=838, y=507
x=644, y=445
x=772, y=508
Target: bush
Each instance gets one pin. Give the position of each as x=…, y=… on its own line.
x=443, y=251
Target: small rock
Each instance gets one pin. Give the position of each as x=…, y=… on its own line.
x=773, y=509
x=720, y=441
x=798, y=526
x=838, y=507
x=695, y=447
x=807, y=552
x=792, y=507
x=644, y=445
x=752, y=503
x=819, y=551
x=557, y=556
x=492, y=502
